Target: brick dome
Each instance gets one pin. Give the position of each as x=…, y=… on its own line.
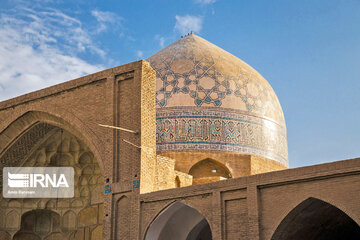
x=209, y=100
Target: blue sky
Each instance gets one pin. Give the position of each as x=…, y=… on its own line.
x=308, y=50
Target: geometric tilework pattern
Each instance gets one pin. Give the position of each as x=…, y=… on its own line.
x=16, y=152
x=183, y=129
x=193, y=73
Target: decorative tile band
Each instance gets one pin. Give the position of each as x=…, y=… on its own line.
x=220, y=131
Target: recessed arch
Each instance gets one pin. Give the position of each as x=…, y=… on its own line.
x=22, y=123
x=54, y=146
x=179, y=221
x=209, y=170
x=314, y=219
x=37, y=224
x=122, y=209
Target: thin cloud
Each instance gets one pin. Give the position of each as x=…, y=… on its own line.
x=40, y=48
x=161, y=40
x=105, y=19
x=140, y=54
x=188, y=23
x=205, y=1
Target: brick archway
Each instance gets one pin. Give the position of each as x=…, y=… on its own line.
x=179, y=221
x=315, y=219
x=53, y=146
x=209, y=170
x=24, y=122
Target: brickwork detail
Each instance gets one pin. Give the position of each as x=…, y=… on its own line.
x=148, y=129
x=122, y=209
x=236, y=224
x=184, y=179
x=165, y=174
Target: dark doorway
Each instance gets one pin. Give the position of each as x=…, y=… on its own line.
x=314, y=219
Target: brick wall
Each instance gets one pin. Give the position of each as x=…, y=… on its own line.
x=253, y=207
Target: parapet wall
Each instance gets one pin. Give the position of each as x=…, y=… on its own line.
x=253, y=207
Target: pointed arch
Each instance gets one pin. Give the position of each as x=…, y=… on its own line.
x=69, y=221
x=209, y=170
x=38, y=223
x=37, y=139
x=179, y=221
x=122, y=224
x=12, y=130
x=314, y=219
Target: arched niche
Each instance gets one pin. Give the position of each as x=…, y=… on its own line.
x=122, y=210
x=314, y=219
x=42, y=144
x=209, y=170
x=179, y=221
x=38, y=224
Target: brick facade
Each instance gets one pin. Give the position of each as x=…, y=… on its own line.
x=244, y=207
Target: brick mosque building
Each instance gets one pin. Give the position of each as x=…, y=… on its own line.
x=200, y=153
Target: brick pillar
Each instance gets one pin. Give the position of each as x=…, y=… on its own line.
x=133, y=153
x=216, y=219
x=253, y=212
